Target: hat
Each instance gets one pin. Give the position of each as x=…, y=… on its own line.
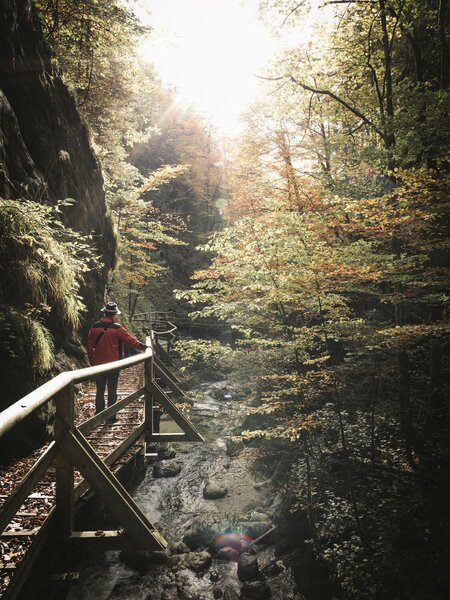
x=112, y=308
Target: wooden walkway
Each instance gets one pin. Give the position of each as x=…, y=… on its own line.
x=40, y=494
x=16, y=542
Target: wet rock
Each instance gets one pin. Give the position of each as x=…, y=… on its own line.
x=263, y=485
x=255, y=529
x=228, y=554
x=179, y=548
x=221, y=389
x=142, y=560
x=278, y=474
x=275, y=568
x=258, y=516
x=292, y=523
x=213, y=490
x=256, y=421
x=167, y=469
x=214, y=576
x=195, y=561
x=152, y=448
x=165, y=452
x=206, y=529
x=126, y=586
x=274, y=507
x=248, y=568
x=256, y=590
x=234, y=446
x=230, y=594
x=264, y=466
x=217, y=593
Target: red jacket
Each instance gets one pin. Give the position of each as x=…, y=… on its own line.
x=106, y=340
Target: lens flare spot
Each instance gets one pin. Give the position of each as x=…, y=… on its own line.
x=235, y=540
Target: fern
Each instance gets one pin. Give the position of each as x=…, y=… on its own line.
x=42, y=265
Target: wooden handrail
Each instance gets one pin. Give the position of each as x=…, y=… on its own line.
x=37, y=398
x=166, y=331
x=72, y=451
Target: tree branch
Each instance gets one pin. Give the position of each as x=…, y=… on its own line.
x=342, y=102
x=348, y=2
x=332, y=95
x=291, y=12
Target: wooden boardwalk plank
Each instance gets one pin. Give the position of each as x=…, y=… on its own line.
x=23, y=491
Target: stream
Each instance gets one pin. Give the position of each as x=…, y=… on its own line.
x=176, y=505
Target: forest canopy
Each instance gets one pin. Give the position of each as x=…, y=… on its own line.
x=331, y=271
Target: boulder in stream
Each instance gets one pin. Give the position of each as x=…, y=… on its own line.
x=274, y=568
x=179, y=548
x=165, y=451
x=248, y=568
x=228, y=554
x=195, y=561
x=167, y=468
x=256, y=590
x=143, y=560
x=220, y=389
x=254, y=529
x=230, y=594
x=131, y=585
x=234, y=446
x=213, y=490
x=207, y=530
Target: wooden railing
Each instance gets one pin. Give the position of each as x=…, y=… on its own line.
x=164, y=336
x=63, y=384
x=71, y=450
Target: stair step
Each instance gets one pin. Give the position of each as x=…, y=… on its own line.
x=19, y=533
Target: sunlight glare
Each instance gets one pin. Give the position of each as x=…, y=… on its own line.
x=209, y=50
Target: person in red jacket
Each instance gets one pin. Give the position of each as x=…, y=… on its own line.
x=106, y=342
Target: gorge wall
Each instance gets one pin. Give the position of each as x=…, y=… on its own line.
x=46, y=156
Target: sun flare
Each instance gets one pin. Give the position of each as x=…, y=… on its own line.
x=210, y=51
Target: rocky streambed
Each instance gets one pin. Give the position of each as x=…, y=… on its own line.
x=207, y=502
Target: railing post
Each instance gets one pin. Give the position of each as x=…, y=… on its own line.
x=148, y=397
x=64, y=467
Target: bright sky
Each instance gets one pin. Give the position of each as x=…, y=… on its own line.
x=209, y=50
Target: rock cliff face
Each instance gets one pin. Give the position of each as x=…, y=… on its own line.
x=45, y=152
x=46, y=156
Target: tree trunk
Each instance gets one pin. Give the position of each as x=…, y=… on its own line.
x=389, y=139
x=436, y=407
x=443, y=46
x=406, y=422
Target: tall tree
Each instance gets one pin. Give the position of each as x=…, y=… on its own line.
x=370, y=68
